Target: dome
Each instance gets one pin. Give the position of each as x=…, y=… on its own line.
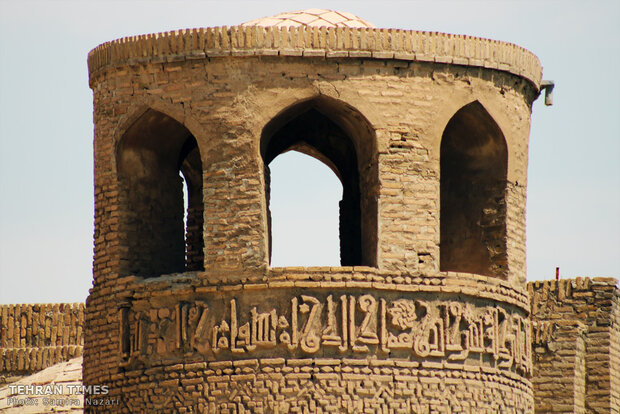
x=311, y=18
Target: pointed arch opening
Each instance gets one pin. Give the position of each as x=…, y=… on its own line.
x=474, y=164
x=340, y=137
x=160, y=232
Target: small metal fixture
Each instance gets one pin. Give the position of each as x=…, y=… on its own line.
x=547, y=86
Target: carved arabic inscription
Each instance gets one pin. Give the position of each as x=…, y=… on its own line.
x=335, y=324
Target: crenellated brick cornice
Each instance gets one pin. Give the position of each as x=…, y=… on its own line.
x=323, y=42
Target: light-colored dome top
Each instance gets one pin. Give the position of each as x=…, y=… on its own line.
x=311, y=18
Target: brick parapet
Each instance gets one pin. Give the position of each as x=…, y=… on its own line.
x=409, y=45
x=35, y=336
x=28, y=360
x=591, y=300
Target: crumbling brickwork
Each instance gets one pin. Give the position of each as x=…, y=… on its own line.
x=576, y=334
x=36, y=336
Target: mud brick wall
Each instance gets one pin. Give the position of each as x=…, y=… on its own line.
x=36, y=336
x=392, y=328
x=576, y=341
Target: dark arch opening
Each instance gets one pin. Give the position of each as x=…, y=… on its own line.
x=156, y=156
x=474, y=162
x=342, y=139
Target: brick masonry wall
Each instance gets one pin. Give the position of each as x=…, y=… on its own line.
x=401, y=89
x=615, y=361
x=355, y=54
x=227, y=129
x=575, y=345
x=559, y=369
x=36, y=336
x=568, y=320
x=175, y=331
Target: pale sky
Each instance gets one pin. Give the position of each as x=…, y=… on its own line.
x=46, y=129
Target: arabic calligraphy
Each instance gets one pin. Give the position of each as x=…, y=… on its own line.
x=338, y=324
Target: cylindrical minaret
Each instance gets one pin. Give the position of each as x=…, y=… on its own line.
x=428, y=134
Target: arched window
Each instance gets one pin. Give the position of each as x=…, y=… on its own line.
x=342, y=139
x=474, y=159
x=156, y=155
x=304, y=204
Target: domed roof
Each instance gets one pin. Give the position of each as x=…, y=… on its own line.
x=311, y=18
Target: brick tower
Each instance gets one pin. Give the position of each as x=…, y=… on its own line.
x=428, y=134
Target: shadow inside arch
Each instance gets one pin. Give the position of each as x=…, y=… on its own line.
x=155, y=156
x=473, y=163
x=342, y=138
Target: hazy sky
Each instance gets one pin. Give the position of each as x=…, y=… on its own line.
x=46, y=130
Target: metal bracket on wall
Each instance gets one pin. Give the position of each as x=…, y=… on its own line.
x=547, y=86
